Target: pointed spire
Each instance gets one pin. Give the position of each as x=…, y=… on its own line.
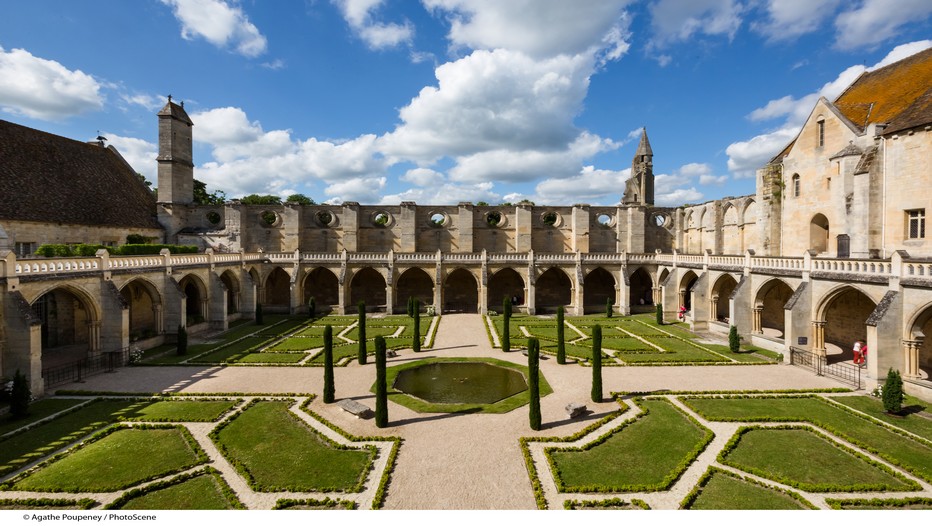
x=644, y=145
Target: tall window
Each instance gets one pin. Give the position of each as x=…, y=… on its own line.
x=821, y=131
x=795, y=185
x=24, y=249
x=916, y=224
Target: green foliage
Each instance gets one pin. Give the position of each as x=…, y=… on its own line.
x=201, y=197
x=300, y=199
x=410, y=306
x=533, y=366
x=597, y=363
x=198, y=490
x=329, y=390
x=259, y=318
x=137, y=239
x=311, y=308
x=416, y=334
x=561, y=344
x=723, y=490
x=361, y=348
x=90, y=250
x=255, y=199
x=182, y=341
x=151, y=249
x=608, y=307
x=381, y=388
x=506, y=329
x=734, y=341
x=893, y=392
x=660, y=314
x=20, y=396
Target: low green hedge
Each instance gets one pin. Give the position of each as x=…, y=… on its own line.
x=86, y=250
x=614, y=504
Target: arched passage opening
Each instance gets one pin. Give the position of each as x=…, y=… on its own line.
x=771, y=298
x=819, y=233
x=322, y=285
x=641, y=294
x=598, y=288
x=918, y=347
x=686, y=288
x=67, y=316
x=505, y=283
x=367, y=286
x=553, y=289
x=144, y=303
x=277, y=291
x=721, y=294
x=195, y=300
x=731, y=231
x=845, y=314
x=233, y=291
x=413, y=283
x=461, y=292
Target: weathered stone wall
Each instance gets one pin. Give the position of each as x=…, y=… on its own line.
x=907, y=158
x=44, y=233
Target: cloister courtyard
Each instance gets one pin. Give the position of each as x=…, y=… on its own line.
x=239, y=423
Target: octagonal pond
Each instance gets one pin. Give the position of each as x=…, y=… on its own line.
x=460, y=382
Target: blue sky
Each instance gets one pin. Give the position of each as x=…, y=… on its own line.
x=442, y=101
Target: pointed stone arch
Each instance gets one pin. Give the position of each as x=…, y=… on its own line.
x=599, y=287
x=195, y=299
x=819, y=233
x=917, y=345
x=687, y=282
x=322, y=285
x=70, y=319
x=641, y=287
x=769, y=302
x=552, y=289
x=233, y=293
x=460, y=292
x=413, y=283
x=750, y=237
x=367, y=285
x=722, y=289
x=841, y=317
x=145, y=308
x=277, y=287
x=506, y=283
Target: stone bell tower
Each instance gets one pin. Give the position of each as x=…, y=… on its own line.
x=176, y=164
x=639, y=188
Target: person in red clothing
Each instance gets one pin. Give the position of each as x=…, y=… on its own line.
x=857, y=352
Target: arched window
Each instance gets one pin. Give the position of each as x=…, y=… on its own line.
x=820, y=130
x=795, y=185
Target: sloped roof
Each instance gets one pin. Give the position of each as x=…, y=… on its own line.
x=175, y=111
x=52, y=179
x=885, y=93
x=919, y=113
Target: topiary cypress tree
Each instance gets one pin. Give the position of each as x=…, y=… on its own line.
x=893, y=392
x=660, y=314
x=259, y=320
x=361, y=353
x=608, y=307
x=734, y=341
x=533, y=368
x=329, y=389
x=410, y=306
x=381, y=388
x=506, y=330
x=311, y=308
x=416, y=337
x=20, y=396
x=182, y=342
x=597, y=363
x=561, y=345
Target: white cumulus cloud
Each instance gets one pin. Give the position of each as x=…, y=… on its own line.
x=673, y=20
x=377, y=35
x=219, y=23
x=874, y=21
x=788, y=19
x=138, y=153
x=45, y=89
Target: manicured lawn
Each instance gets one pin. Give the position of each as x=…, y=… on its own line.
x=629, y=459
x=234, y=350
x=202, y=492
x=803, y=459
x=284, y=327
x=296, y=343
x=723, y=491
x=43, y=440
x=909, y=503
x=276, y=451
x=918, y=423
x=272, y=357
x=37, y=411
x=46, y=504
x=121, y=459
x=914, y=456
x=372, y=332
x=184, y=411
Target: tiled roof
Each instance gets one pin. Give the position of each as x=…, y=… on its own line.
x=51, y=179
x=884, y=94
x=918, y=114
x=866, y=161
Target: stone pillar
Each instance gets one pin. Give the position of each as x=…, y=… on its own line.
x=818, y=337
x=523, y=228
x=657, y=295
x=531, y=293
x=407, y=226
x=580, y=226
x=157, y=316
x=93, y=336
x=484, y=284
x=464, y=225
x=756, y=325
x=713, y=308
x=579, y=285
x=350, y=225
x=438, y=282
x=911, y=358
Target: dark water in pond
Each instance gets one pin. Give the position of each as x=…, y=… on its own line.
x=460, y=383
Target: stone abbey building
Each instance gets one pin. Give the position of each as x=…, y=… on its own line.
x=830, y=249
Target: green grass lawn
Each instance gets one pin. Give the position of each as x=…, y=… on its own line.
x=372, y=332
x=233, y=351
x=909, y=503
x=37, y=411
x=184, y=411
x=912, y=455
x=276, y=451
x=46, y=504
x=205, y=491
x=629, y=459
x=723, y=491
x=297, y=343
x=118, y=460
x=804, y=459
x=272, y=357
x=919, y=423
x=29, y=446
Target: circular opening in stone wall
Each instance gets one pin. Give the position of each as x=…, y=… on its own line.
x=381, y=219
x=605, y=219
x=324, y=217
x=660, y=220
x=213, y=218
x=438, y=219
x=495, y=219
x=550, y=218
x=269, y=218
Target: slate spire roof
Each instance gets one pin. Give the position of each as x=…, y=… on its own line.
x=644, y=145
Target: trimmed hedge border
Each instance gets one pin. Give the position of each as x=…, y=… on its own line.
x=635, y=504
x=285, y=504
x=127, y=395
x=113, y=428
x=81, y=504
x=805, y=486
x=236, y=402
x=749, y=394
x=433, y=335
x=55, y=416
x=225, y=489
x=694, y=493
x=839, y=504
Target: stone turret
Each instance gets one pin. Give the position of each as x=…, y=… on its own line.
x=639, y=188
x=176, y=161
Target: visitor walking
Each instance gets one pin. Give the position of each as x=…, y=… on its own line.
x=857, y=352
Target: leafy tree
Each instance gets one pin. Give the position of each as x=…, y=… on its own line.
x=506, y=330
x=255, y=199
x=182, y=342
x=416, y=337
x=608, y=307
x=300, y=199
x=143, y=180
x=533, y=367
x=361, y=352
x=561, y=344
x=597, y=363
x=734, y=341
x=410, y=306
x=660, y=314
x=381, y=387
x=201, y=197
x=893, y=392
x=311, y=308
x=259, y=320
x=481, y=203
x=20, y=396
x=525, y=202
x=329, y=390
